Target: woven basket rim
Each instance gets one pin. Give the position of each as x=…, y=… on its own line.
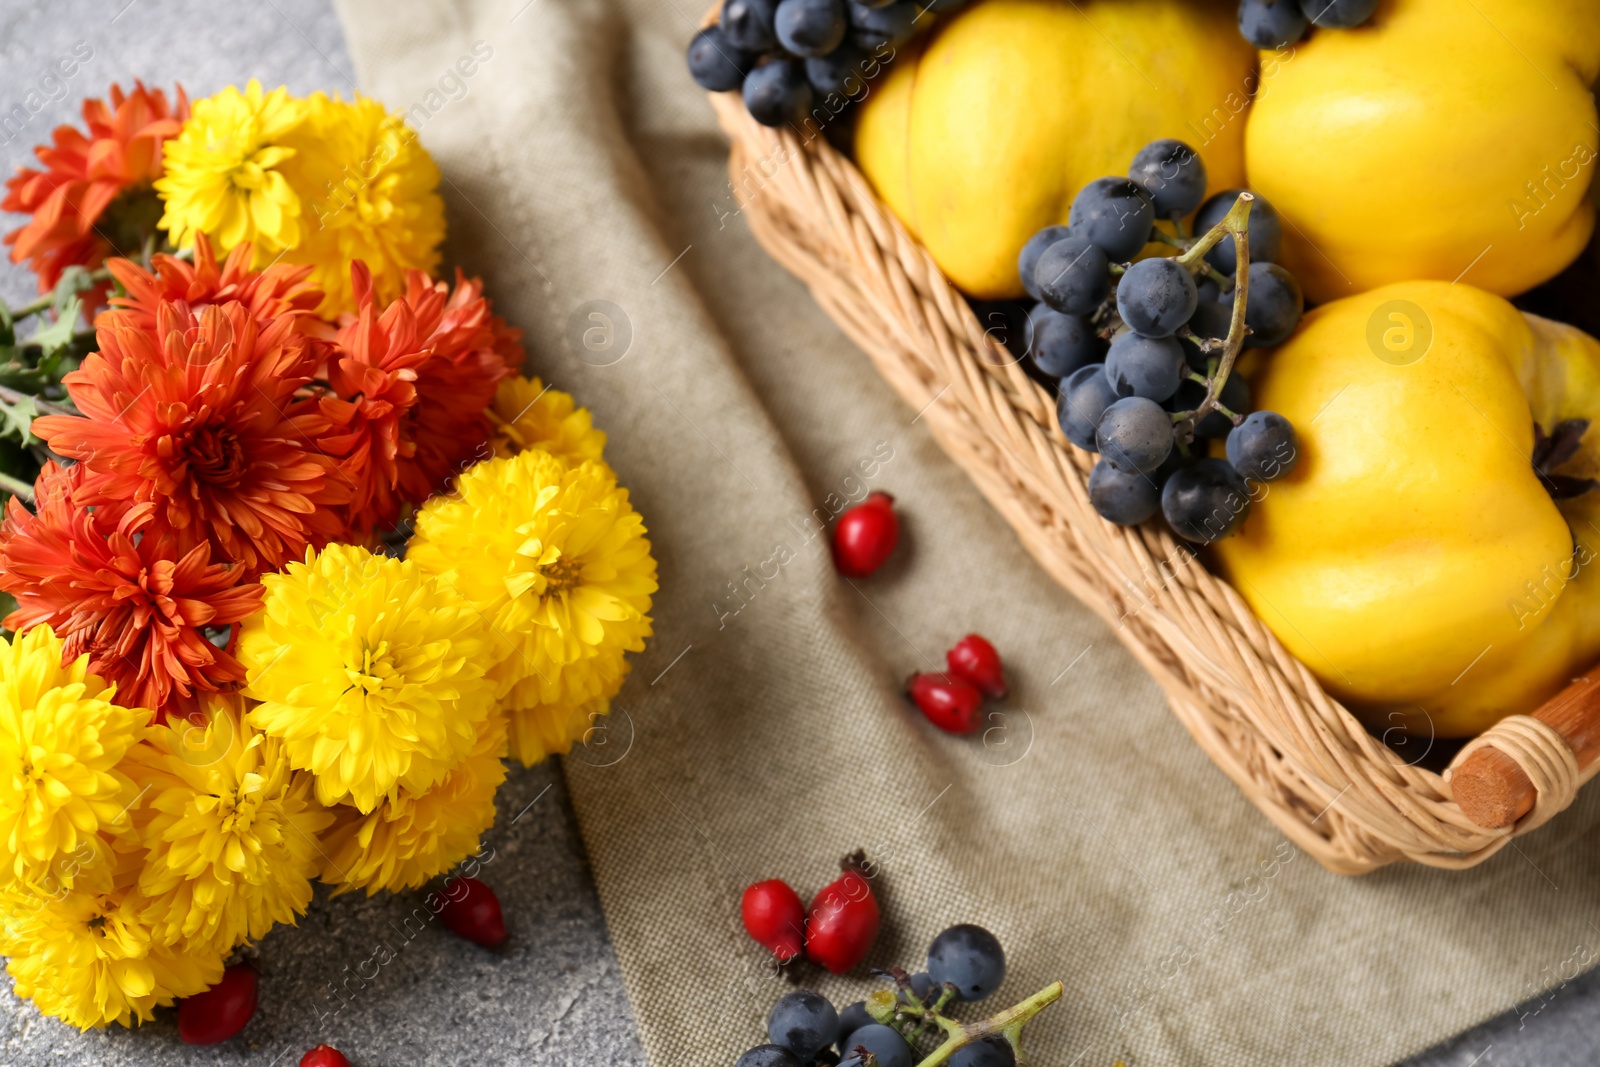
x=1298, y=754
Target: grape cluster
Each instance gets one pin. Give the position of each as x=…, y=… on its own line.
x=966, y=964
x=783, y=54
x=1142, y=352
x=1280, y=23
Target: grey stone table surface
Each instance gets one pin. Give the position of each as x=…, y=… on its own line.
x=554, y=995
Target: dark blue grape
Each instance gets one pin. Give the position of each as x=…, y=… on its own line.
x=874, y=27
x=1272, y=24
x=1205, y=501
x=1339, y=14
x=923, y=987
x=777, y=93
x=841, y=71
x=1073, y=276
x=851, y=1019
x=1028, y=258
x=1266, y=230
x=747, y=24
x=1173, y=174
x=715, y=64
x=1206, y=288
x=990, y=1052
x=1085, y=394
x=1156, y=296
x=768, y=1056
x=1193, y=355
x=1060, y=344
x=884, y=1042
x=969, y=958
x=1114, y=214
x=1150, y=367
x=1235, y=397
x=804, y=1023
x=810, y=28
x=1135, y=437
x=1263, y=447
x=1125, y=499
x=1212, y=319
x=1006, y=322
x=1273, y=306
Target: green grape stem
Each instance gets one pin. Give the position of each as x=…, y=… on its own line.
x=1162, y=237
x=1235, y=224
x=959, y=1035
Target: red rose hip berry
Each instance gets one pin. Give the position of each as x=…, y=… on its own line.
x=775, y=918
x=865, y=536
x=221, y=1011
x=975, y=659
x=949, y=701
x=324, y=1056
x=843, y=921
x=475, y=915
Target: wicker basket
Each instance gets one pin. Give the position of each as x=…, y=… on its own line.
x=1301, y=757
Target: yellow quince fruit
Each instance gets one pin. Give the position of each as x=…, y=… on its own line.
x=1443, y=139
x=1418, y=559
x=982, y=133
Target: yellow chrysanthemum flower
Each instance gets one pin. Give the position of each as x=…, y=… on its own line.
x=528, y=414
x=544, y=730
x=371, y=193
x=224, y=173
x=410, y=838
x=369, y=669
x=317, y=180
x=557, y=559
x=231, y=831
x=61, y=738
x=87, y=958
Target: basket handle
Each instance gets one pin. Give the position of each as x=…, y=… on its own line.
x=1494, y=791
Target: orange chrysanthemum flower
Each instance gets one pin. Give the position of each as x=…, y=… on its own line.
x=128, y=597
x=408, y=389
x=199, y=418
x=472, y=350
x=281, y=289
x=77, y=218
x=372, y=374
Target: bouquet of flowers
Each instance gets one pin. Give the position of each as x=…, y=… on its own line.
x=297, y=555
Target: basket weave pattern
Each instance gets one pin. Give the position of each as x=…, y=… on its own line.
x=1302, y=758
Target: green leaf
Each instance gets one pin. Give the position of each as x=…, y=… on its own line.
x=74, y=280
x=56, y=336
x=17, y=418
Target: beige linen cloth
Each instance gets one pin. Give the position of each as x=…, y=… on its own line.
x=762, y=733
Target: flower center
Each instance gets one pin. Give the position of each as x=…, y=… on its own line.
x=375, y=669
x=561, y=575
x=216, y=457
x=239, y=810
